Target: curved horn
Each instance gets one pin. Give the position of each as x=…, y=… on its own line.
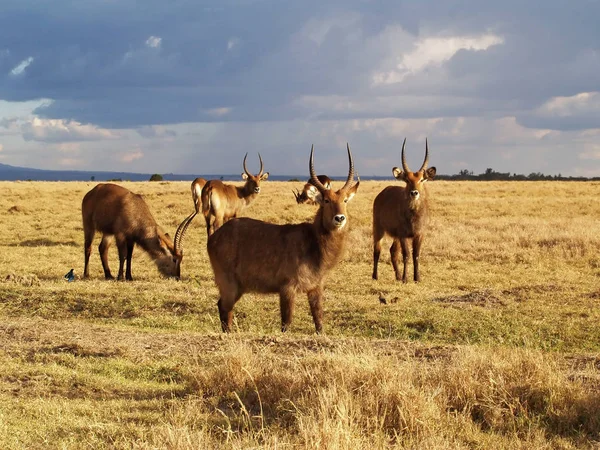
x=181, y=229
x=424, y=166
x=261, y=166
x=404, y=165
x=313, y=176
x=245, y=168
x=350, y=170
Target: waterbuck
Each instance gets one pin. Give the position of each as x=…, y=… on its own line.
x=401, y=212
x=115, y=211
x=221, y=202
x=249, y=255
x=197, y=186
x=303, y=197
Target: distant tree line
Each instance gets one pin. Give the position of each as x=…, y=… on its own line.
x=491, y=175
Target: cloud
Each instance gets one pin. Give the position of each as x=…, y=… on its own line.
x=434, y=51
x=575, y=112
x=218, y=112
x=232, y=42
x=156, y=131
x=69, y=147
x=131, y=156
x=70, y=162
x=153, y=41
x=591, y=152
x=57, y=130
x=19, y=69
x=196, y=80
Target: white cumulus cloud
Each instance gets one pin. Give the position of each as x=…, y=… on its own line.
x=154, y=41
x=59, y=130
x=131, y=156
x=20, y=68
x=434, y=51
x=583, y=102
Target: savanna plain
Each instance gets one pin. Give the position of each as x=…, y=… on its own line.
x=497, y=347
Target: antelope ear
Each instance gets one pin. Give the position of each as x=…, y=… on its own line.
x=264, y=176
x=430, y=173
x=244, y=177
x=398, y=174
x=352, y=191
x=314, y=194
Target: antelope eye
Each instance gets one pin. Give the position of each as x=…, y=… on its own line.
x=345, y=200
x=326, y=200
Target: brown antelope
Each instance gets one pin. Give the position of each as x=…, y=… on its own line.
x=115, y=211
x=221, y=202
x=303, y=197
x=197, y=186
x=249, y=255
x=401, y=212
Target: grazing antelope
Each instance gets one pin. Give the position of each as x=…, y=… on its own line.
x=115, y=211
x=303, y=197
x=401, y=212
x=249, y=255
x=221, y=202
x=197, y=186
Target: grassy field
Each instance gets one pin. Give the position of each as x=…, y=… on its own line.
x=498, y=346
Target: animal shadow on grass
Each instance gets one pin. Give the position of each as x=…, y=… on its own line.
x=44, y=243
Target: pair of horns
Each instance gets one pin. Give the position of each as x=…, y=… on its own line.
x=313, y=176
x=261, y=166
x=181, y=229
x=425, y=162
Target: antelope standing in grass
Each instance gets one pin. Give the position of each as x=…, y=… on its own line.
x=249, y=255
x=115, y=211
x=401, y=212
x=197, y=186
x=303, y=197
x=221, y=202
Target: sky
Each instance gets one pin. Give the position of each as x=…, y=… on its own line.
x=191, y=86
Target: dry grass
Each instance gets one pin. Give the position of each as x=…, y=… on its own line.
x=497, y=347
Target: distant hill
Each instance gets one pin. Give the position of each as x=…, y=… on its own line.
x=12, y=173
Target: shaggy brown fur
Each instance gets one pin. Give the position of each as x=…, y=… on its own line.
x=116, y=211
x=221, y=202
x=401, y=212
x=249, y=255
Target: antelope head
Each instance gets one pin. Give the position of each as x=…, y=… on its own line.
x=253, y=181
x=332, y=203
x=414, y=180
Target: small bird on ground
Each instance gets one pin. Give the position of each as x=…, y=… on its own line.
x=70, y=276
x=382, y=299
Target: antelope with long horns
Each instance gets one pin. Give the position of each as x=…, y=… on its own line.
x=221, y=202
x=249, y=255
x=303, y=197
x=402, y=213
x=115, y=211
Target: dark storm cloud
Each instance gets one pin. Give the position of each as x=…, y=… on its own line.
x=252, y=60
